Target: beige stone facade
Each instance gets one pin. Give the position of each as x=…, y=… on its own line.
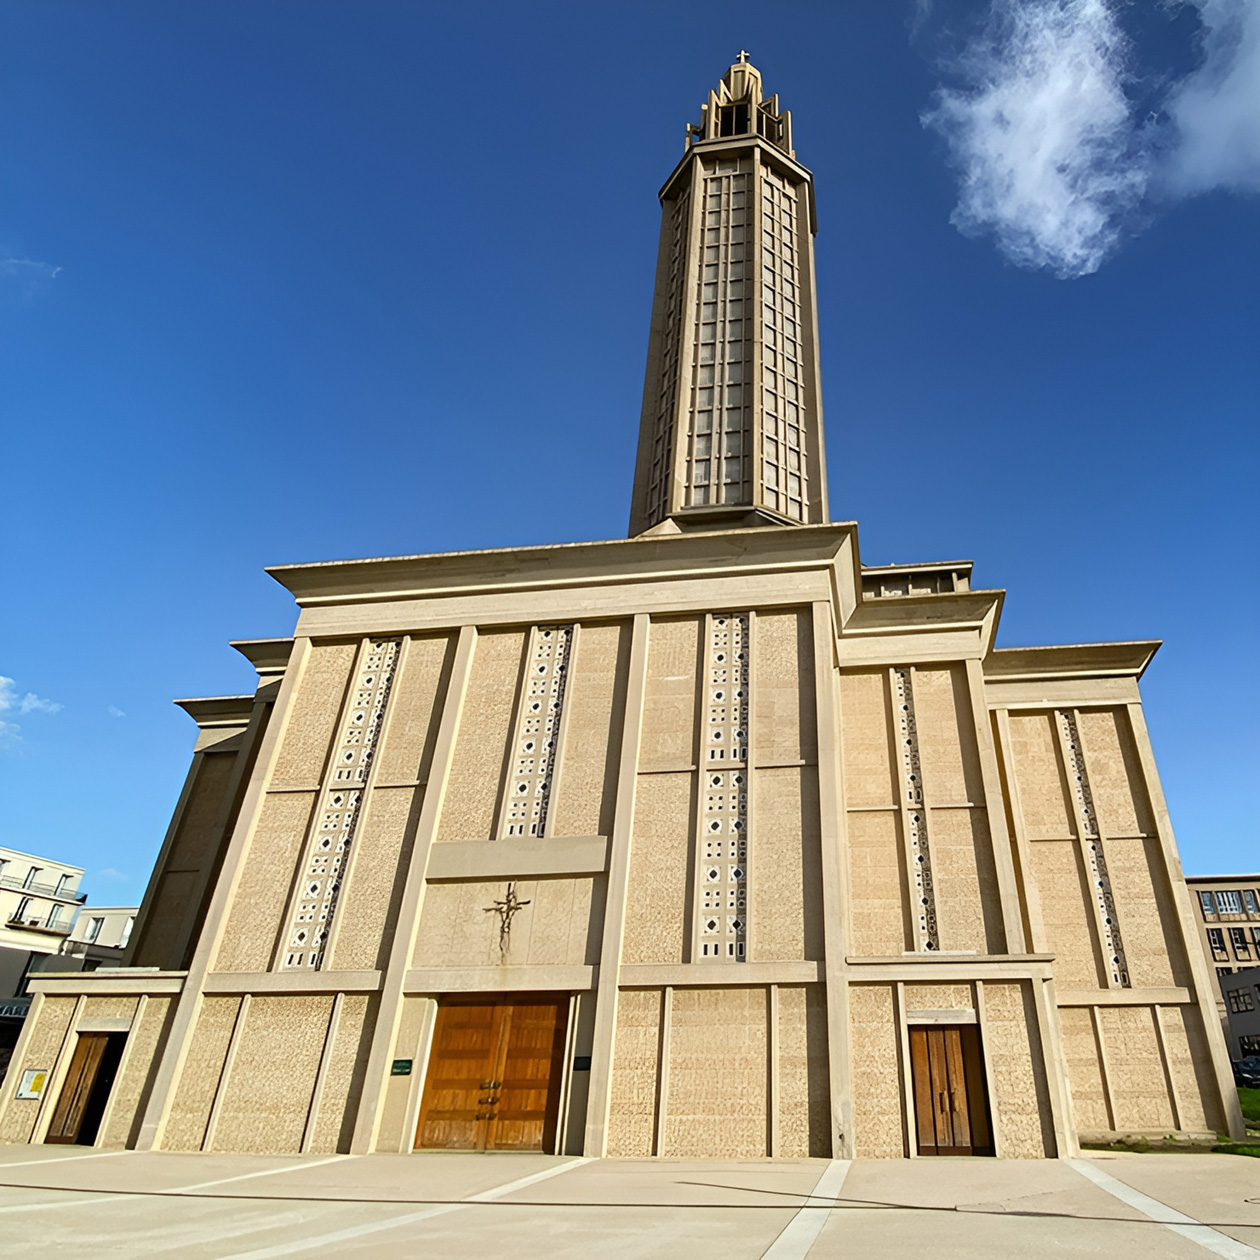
x=762, y=822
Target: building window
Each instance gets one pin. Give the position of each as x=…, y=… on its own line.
x=1250, y=901
x=1242, y=947
x=1249, y=1045
x=1255, y=936
x=94, y=930
x=60, y=890
x=29, y=881
x=1224, y=971
x=1228, y=903
x=1208, y=905
x=22, y=913
x=1216, y=939
x=126, y=932
x=1240, y=1001
x=54, y=916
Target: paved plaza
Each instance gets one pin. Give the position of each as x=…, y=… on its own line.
x=241, y=1207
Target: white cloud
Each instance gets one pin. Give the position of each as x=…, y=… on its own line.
x=1043, y=136
x=1052, y=162
x=114, y=711
x=29, y=703
x=108, y=872
x=11, y=732
x=21, y=279
x=1215, y=112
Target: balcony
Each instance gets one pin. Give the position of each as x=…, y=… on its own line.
x=34, y=923
x=14, y=1007
x=38, y=890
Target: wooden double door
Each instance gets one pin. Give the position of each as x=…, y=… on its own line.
x=495, y=1073
x=89, y=1080
x=950, y=1105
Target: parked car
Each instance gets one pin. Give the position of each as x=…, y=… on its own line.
x=1247, y=1072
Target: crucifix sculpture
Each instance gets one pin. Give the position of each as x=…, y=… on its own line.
x=506, y=909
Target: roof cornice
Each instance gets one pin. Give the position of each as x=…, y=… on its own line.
x=643, y=558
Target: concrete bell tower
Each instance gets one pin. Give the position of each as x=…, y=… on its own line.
x=731, y=430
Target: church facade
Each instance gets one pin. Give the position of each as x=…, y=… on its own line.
x=708, y=842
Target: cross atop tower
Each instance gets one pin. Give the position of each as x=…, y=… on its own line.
x=743, y=57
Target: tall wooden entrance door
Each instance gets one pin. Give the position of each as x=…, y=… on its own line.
x=81, y=1103
x=494, y=1073
x=950, y=1108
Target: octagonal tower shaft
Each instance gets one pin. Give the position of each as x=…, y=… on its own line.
x=731, y=430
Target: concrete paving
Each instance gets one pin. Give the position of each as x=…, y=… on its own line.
x=242, y=1207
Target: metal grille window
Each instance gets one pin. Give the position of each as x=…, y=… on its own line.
x=782, y=371
x=667, y=396
x=1216, y=942
x=1242, y=946
x=717, y=461
x=1228, y=903
x=1207, y=903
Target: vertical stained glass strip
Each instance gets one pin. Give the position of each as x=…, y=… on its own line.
x=1092, y=847
x=723, y=873
x=537, y=730
x=340, y=806
x=927, y=935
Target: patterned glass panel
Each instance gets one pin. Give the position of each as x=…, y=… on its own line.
x=723, y=873
x=537, y=731
x=340, y=806
x=927, y=935
x=1092, y=845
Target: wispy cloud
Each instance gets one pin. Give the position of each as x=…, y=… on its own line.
x=1052, y=161
x=11, y=701
x=114, y=711
x=1214, y=113
x=22, y=279
x=109, y=873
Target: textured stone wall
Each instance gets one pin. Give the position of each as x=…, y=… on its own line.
x=267, y=1095
x=804, y=1112
x=343, y=1085
x=414, y=710
x=1190, y=1066
x=661, y=869
x=783, y=726
x=875, y=1076
x=718, y=1074
x=262, y=895
x=471, y=807
x=309, y=732
x=18, y=1121
x=203, y=1068
x=670, y=699
x=1135, y=1069
x=586, y=785
x=559, y=927
x=195, y=847
x=1084, y=1070
x=131, y=1091
x=635, y=1067
x=785, y=866
x=368, y=910
x=1018, y=1085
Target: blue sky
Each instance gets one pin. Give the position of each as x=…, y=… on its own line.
x=298, y=281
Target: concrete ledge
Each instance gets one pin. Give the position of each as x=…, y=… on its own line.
x=1123, y=997
x=292, y=982
x=928, y=968
x=517, y=859
x=106, y=984
x=714, y=974
x=499, y=979
x=104, y=1023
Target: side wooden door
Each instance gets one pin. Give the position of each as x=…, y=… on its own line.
x=494, y=1075
x=72, y=1102
x=950, y=1107
x=462, y=1070
x=528, y=1105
